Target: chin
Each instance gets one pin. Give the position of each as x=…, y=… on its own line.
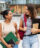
x=10, y=19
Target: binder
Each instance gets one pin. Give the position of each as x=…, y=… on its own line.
x=9, y=37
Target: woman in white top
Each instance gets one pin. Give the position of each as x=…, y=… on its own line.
x=7, y=26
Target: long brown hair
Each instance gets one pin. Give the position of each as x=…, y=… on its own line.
x=32, y=10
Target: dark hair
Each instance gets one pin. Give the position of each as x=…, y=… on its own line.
x=4, y=13
x=32, y=10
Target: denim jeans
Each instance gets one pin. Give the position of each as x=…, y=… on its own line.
x=30, y=41
x=16, y=46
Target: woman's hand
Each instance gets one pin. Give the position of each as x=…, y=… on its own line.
x=17, y=42
x=34, y=31
x=9, y=46
x=25, y=28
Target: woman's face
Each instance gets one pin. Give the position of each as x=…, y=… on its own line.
x=9, y=16
x=27, y=12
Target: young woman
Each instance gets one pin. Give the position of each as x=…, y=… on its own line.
x=30, y=39
x=6, y=27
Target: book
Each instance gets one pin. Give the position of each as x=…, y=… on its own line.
x=35, y=25
x=8, y=38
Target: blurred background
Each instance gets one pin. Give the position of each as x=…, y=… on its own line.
x=18, y=7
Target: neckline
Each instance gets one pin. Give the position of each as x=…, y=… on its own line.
x=7, y=23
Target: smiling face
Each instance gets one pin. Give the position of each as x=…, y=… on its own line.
x=27, y=12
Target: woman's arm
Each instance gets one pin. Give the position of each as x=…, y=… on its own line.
x=20, y=26
x=1, y=38
x=17, y=34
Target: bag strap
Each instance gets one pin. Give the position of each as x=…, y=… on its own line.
x=25, y=20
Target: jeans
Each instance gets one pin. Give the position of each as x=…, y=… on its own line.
x=30, y=41
x=16, y=46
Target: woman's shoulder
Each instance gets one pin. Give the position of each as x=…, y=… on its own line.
x=2, y=22
x=14, y=23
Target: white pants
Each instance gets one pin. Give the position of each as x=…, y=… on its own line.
x=1, y=46
x=20, y=44
x=39, y=39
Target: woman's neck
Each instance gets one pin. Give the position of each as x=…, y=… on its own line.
x=7, y=21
